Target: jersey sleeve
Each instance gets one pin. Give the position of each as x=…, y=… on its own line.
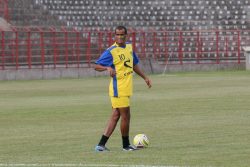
x=135, y=59
x=105, y=59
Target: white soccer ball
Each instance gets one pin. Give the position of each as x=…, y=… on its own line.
x=141, y=141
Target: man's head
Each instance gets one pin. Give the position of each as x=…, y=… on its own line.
x=120, y=35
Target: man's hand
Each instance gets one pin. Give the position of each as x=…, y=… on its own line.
x=111, y=71
x=141, y=74
x=148, y=82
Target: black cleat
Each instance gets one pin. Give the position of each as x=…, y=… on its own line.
x=129, y=148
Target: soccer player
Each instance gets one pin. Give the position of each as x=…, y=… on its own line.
x=120, y=61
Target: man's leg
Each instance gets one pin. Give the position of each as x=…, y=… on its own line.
x=112, y=122
x=125, y=124
x=125, y=120
x=110, y=127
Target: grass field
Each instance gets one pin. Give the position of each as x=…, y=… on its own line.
x=192, y=119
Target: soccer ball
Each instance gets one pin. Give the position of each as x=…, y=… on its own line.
x=141, y=141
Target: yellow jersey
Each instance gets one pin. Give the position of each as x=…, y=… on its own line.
x=122, y=60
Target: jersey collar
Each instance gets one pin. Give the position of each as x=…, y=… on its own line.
x=115, y=44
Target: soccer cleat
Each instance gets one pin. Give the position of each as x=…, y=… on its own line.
x=129, y=148
x=101, y=148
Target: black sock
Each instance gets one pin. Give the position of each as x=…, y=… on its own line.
x=103, y=140
x=125, y=141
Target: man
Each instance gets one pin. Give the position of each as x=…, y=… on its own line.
x=120, y=61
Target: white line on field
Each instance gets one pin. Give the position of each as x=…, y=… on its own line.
x=166, y=75
x=81, y=165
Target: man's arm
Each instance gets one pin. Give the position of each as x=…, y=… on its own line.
x=141, y=74
x=101, y=68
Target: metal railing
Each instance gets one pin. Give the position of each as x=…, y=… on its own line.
x=37, y=47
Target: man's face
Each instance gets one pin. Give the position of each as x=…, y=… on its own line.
x=120, y=37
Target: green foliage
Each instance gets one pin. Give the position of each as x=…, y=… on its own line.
x=191, y=119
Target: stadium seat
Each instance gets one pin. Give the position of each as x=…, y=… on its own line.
x=187, y=14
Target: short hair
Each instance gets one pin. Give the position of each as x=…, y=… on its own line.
x=121, y=28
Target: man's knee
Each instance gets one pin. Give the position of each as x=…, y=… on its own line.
x=116, y=115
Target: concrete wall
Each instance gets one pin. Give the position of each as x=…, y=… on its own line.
x=26, y=74
x=153, y=67
x=149, y=66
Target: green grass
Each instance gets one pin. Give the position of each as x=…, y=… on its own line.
x=192, y=119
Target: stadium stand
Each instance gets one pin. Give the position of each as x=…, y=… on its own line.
x=149, y=14
x=172, y=31
x=29, y=13
x=143, y=14
x=140, y=14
